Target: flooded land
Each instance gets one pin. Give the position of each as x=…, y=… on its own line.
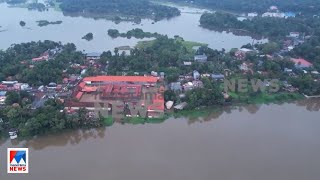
x=73, y=28
x=245, y=143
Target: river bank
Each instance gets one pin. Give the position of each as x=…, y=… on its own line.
x=245, y=141
x=192, y=114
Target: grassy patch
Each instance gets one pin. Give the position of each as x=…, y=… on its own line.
x=234, y=95
x=190, y=44
x=196, y=113
x=108, y=121
x=187, y=44
x=134, y=120
x=141, y=120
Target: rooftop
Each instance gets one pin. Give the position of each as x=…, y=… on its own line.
x=301, y=61
x=93, y=54
x=148, y=79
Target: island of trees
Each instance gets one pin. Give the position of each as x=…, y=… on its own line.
x=22, y=23
x=42, y=23
x=88, y=36
x=111, y=8
x=136, y=33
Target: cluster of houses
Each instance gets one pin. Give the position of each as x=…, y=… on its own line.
x=47, y=55
x=6, y=86
x=189, y=82
x=293, y=40
x=300, y=65
x=273, y=11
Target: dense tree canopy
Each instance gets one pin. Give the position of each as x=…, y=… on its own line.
x=136, y=33
x=210, y=95
x=88, y=36
x=16, y=62
x=305, y=6
x=309, y=50
x=47, y=119
x=22, y=23
x=263, y=26
x=103, y=8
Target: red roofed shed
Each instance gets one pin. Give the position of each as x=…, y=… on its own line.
x=147, y=79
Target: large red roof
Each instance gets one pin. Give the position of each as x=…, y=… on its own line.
x=82, y=85
x=148, y=79
x=79, y=95
x=41, y=58
x=301, y=61
x=89, y=89
x=158, y=104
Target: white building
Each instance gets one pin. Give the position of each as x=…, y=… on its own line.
x=2, y=100
x=253, y=14
x=273, y=8
x=274, y=14
x=294, y=34
x=244, y=67
x=196, y=75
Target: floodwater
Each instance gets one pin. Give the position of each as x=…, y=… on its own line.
x=74, y=28
x=266, y=142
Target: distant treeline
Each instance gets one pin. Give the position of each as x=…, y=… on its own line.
x=15, y=1
x=304, y=6
x=264, y=26
x=102, y=8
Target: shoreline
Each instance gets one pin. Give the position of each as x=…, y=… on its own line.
x=190, y=114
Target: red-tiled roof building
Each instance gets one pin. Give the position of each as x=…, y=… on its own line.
x=134, y=79
x=301, y=63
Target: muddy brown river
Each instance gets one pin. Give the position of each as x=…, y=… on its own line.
x=266, y=142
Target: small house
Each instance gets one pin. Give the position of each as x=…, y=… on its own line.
x=289, y=14
x=197, y=84
x=93, y=56
x=201, y=58
x=196, y=75
x=52, y=85
x=294, y=34
x=227, y=72
x=180, y=106
x=252, y=14
x=175, y=86
x=188, y=86
x=273, y=8
x=218, y=77
x=162, y=75
x=287, y=70
x=244, y=67
x=153, y=73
